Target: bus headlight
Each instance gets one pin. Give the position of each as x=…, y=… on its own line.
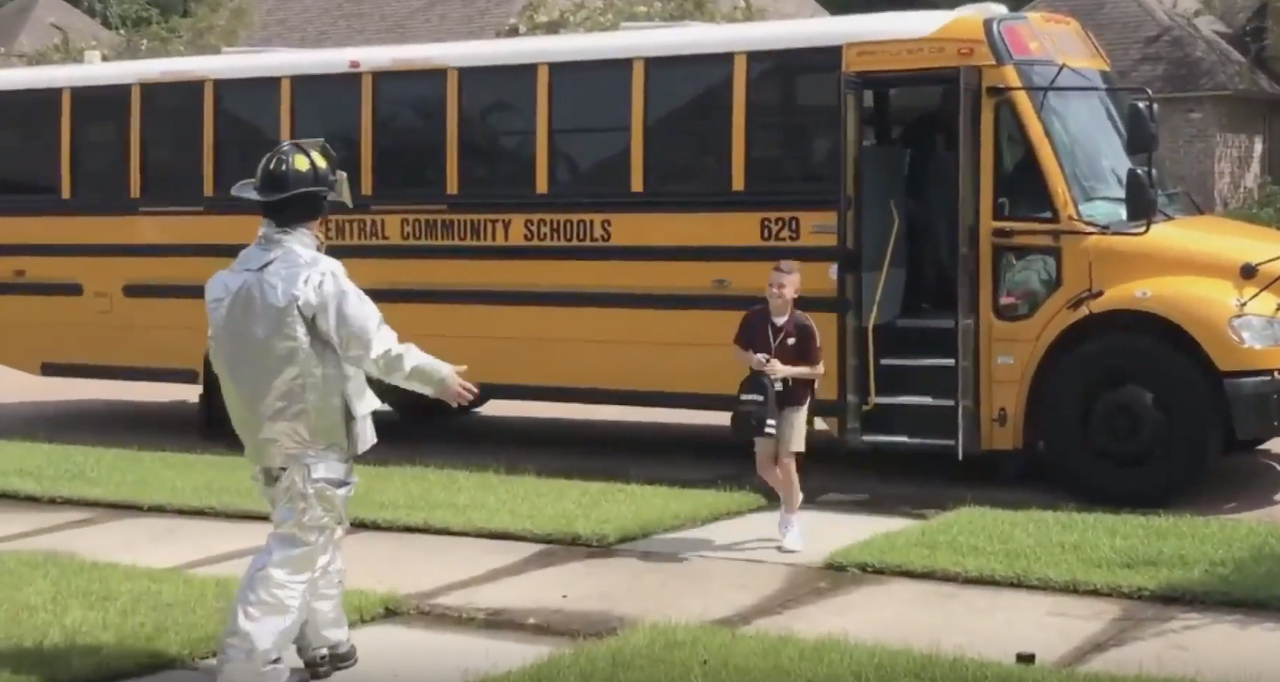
x=1255, y=331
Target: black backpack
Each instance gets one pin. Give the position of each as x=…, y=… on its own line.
x=756, y=414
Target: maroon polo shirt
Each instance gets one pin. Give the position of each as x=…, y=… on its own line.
x=795, y=343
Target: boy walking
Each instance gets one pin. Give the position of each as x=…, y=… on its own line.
x=783, y=343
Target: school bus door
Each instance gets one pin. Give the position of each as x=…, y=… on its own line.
x=1030, y=269
x=908, y=375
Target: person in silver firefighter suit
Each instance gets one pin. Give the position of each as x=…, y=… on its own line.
x=291, y=340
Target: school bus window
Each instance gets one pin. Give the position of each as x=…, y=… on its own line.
x=590, y=147
x=688, y=124
x=793, y=121
x=100, y=143
x=497, y=129
x=172, y=143
x=409, y=132
x=246, y=125
x=31, y=137
x=329, y=107
x=1021, y=193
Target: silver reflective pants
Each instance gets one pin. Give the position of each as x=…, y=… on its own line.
x=292, y=590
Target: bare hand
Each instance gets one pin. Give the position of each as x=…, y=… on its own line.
x=759, y=361
x=458, y=391
x=776, y=369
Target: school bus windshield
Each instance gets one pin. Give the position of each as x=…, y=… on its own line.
x=1086, y=129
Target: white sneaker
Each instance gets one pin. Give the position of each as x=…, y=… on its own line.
x=792, y=541
x=782, y=515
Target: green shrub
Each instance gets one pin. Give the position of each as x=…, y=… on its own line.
x=1263, y=209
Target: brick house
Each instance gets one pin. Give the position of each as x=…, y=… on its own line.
x=1210, y=72
x=306, y=23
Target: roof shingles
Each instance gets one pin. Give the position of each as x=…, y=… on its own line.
x=340, y=23
x=1168, y=48
x=28, y=25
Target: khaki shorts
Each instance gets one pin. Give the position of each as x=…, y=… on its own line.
x=793, y=426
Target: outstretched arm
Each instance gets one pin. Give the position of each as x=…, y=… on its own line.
x=347, y=318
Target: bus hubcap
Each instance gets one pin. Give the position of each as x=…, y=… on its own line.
x=1124, y=425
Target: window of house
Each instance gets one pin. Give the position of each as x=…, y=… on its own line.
x=1021, y=192
x=590, y=147
x=246, y=125
x=31, y=137
x=409, y=132
x=793, y=121
x=172, y=144
x=328, y=107
x=688, y=125
x=497, y=129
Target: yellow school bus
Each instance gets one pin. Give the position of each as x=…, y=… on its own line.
x=991, y=263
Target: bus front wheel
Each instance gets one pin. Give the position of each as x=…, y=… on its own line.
x=1128, y=420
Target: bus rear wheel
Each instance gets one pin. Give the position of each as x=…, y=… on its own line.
x=1246, y=447
x=1128, y=420
x=213, y=423
x=410, y=405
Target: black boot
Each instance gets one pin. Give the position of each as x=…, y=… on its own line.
x=326, y=663
x=343, y=659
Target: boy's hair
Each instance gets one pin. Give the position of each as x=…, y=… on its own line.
x=296, y=209
x=787, y=267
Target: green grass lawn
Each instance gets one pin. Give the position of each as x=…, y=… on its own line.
x=712, y=654
x=394, y=498
x=1195, y=560
x=64, y=619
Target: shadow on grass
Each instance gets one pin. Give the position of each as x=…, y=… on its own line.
x=84, y=662
x=663, y=453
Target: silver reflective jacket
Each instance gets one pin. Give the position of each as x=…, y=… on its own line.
x=292, y=339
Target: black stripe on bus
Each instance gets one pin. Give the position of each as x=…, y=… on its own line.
x=585, y=396
x=647, y=254
x=160, y=375
x=46, y=289
x=609, y=396
x=541, y=299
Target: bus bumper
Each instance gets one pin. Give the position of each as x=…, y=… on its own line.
x=1254, y=402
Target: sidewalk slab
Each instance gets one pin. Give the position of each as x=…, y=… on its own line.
x=17, y=518
x=411, y=563
x=20, y=387
x=754, y=536
x=640, y=588
x=1063, y=630
x=393, y=651
x=158, y=541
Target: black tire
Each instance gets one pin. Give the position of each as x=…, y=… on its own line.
x=1244, y=447
x=213, y=422
x=479, y=402
x=412, y=405
x=1128, y=420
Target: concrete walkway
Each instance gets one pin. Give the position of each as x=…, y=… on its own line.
x=726, y=573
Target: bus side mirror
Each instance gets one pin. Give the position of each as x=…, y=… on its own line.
x=1139, y=198
x=1141, y=135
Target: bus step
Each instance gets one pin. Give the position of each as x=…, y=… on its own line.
x=925, y=337
x=914, y=416
x=925, y=376
x=889, y=440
